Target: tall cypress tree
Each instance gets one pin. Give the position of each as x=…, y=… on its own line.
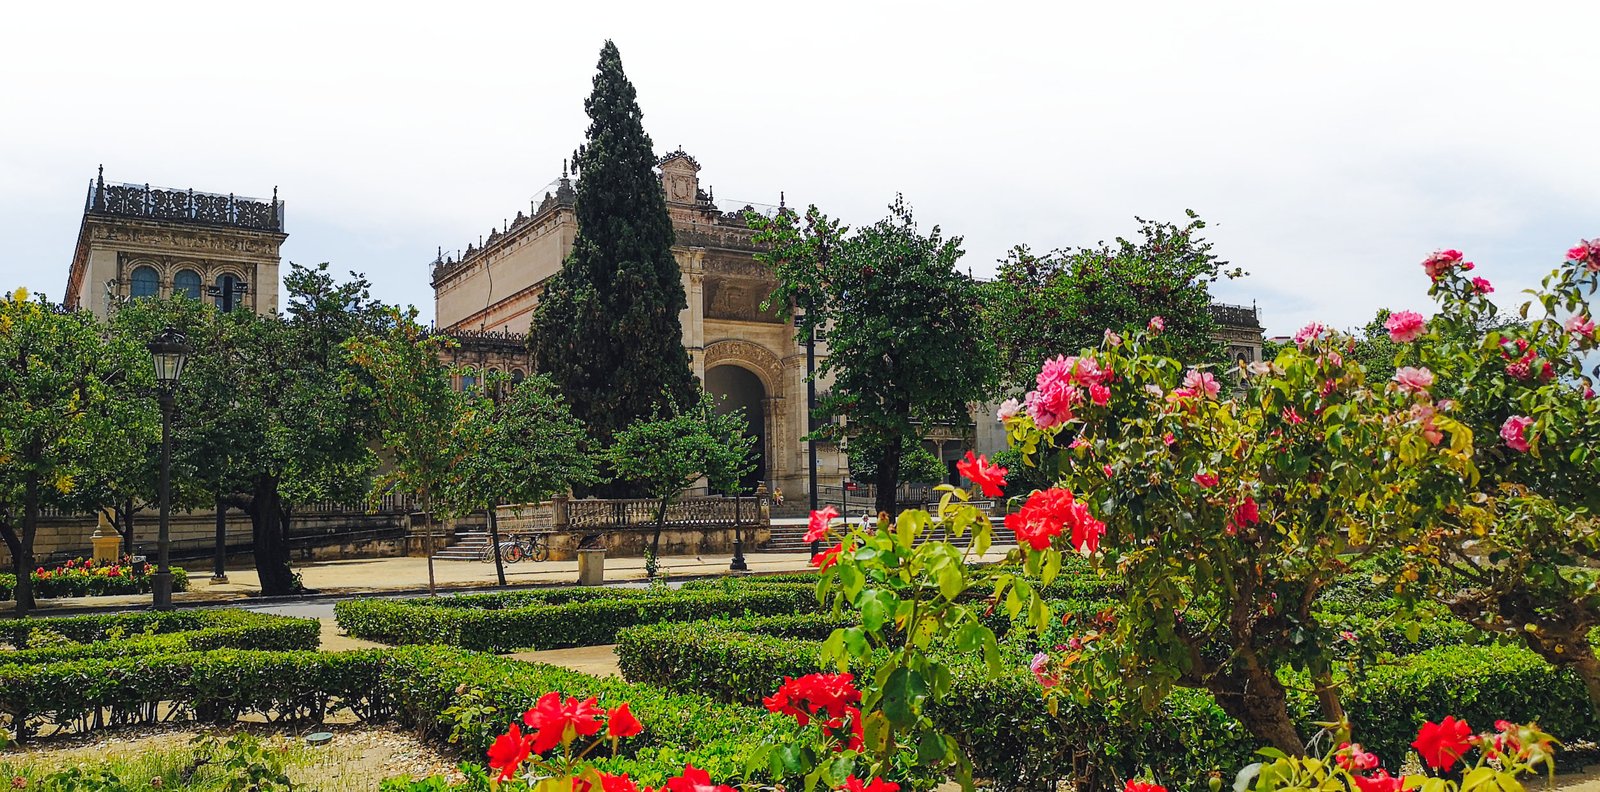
x=607, y=329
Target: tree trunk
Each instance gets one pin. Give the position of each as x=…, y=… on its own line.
x=661, y=524
x=494, y=542
x=127, y=530
x=13, y=542
x=1328, y=696
x=270, y=539
x=427, y=536
x=1252, y=694
x=23, y=552
x=887, y=478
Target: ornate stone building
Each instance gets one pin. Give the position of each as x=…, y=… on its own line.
x=485, y=297
x=138, y=241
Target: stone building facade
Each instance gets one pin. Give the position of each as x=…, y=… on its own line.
x=486, y=296
x=139, y=241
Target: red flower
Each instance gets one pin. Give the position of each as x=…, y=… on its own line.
x=560, y=721
x=1380, y=781
x=1142, y=786
x=991, y=478
x=1206, y=480
x=1048, y=513
x=621, y=723
x=1442, y=744
x=1482, y=285
x=853, y=784
x=829, y=699
x=820, y=520
x=694, y=780
x=615, y=783
x=508, y=753
x=1244, y=514
x=827, y=558
x=1099, y=394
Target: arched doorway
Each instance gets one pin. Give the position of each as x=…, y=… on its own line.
x=737, y=388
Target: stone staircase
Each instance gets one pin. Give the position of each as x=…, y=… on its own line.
x=468, y=546
x=791, y=539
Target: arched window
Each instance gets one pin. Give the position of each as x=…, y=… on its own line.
x=144, y=283
x=517, y=376
x=227, y=292
x=469, y=380
x=186, y=283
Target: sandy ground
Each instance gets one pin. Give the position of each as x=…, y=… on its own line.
x=358, y=758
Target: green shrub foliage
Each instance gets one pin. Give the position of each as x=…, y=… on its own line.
x=130, y=634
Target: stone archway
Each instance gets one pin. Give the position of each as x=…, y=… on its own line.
x=738, y=389
x=751, y=375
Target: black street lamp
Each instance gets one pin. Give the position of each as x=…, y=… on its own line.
x=169, y=351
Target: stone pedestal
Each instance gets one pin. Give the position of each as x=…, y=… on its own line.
x=107, y=548
x=591, y=566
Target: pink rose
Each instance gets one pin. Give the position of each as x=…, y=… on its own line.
x=1580, y=325
x=1206, y=480
x=1157, y=324
x=1587, y=253
x=1078, y=442
x=1292, y=416
x=1416, y=380
x=1482, y=285
x=1099, y=394
x=1169, y=438
x=1308, y=334
x=1153, y=389
x=1404, y=326
x=1052, y=406
x=1201, y=382
x=1515, y=432
x=1112, y=339
x=1109, y=472
x=1440, y=262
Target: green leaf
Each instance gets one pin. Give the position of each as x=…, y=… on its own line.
x=902, y=696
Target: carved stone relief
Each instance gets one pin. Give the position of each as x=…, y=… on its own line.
x=738, y=299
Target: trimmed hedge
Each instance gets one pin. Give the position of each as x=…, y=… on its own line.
x=130, y=634
x=552, y=619
x=425, y=682
x=69, y=584
x=216, y=686
x=1009, y=734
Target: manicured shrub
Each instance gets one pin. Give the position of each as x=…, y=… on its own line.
x=219, y=686
x=129, y=634
x=553, y=619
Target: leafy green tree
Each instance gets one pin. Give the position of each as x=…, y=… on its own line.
x=400, y=371
x=58, y=396
x=918, y=465
x=523, y=446
x=665, y=455
x=902, y=327
x=266, y=423
x=607, y=329
x=1040, y=306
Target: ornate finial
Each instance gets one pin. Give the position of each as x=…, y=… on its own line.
x=780, y=199
x=563, y=168
x=102, y=177
x=274, y=193
x=505, y=225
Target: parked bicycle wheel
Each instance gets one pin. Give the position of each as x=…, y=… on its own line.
x=538, y=550
x=487, y=556
x=511, y=552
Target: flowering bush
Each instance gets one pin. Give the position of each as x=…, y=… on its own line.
x=1527, y=504
x=85, y=577
x=1225, y=517
x=1510, y=751
x=556, y=722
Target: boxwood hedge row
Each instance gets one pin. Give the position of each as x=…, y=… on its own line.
x=1009, y=733
x=554, y=619
x=125, y=635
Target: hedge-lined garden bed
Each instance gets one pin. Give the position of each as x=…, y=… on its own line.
x=420, y=687
x=555, y=618
x=84, y=578
x=129, y=634
x=1009, y=733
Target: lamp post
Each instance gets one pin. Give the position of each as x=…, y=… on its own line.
x=811, y=410
x=169, y=351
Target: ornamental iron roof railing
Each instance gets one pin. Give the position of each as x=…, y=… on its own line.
x=184, y=206
x=1236, y=315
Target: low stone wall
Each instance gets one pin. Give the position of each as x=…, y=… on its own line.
x=632, y=542
x=193, y=534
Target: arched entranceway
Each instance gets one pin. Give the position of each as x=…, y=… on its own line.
x=737, y=388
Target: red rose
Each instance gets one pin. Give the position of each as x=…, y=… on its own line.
x=694, y=780
x=991, y=478
x=1380, y=781
x=853, y=784
x=827, y=558
x=820, y=520
x=560, y=721
x=508, y=753
x=617, y=783
x=1048, y=513
x=621, y=723
x=1442, y=744
x=1142, y=786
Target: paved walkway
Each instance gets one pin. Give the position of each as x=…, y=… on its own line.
x=407, y=575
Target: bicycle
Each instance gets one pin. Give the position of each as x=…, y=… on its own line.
x=516, y=548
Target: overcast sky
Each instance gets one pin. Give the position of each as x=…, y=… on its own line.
x=1330, y=149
